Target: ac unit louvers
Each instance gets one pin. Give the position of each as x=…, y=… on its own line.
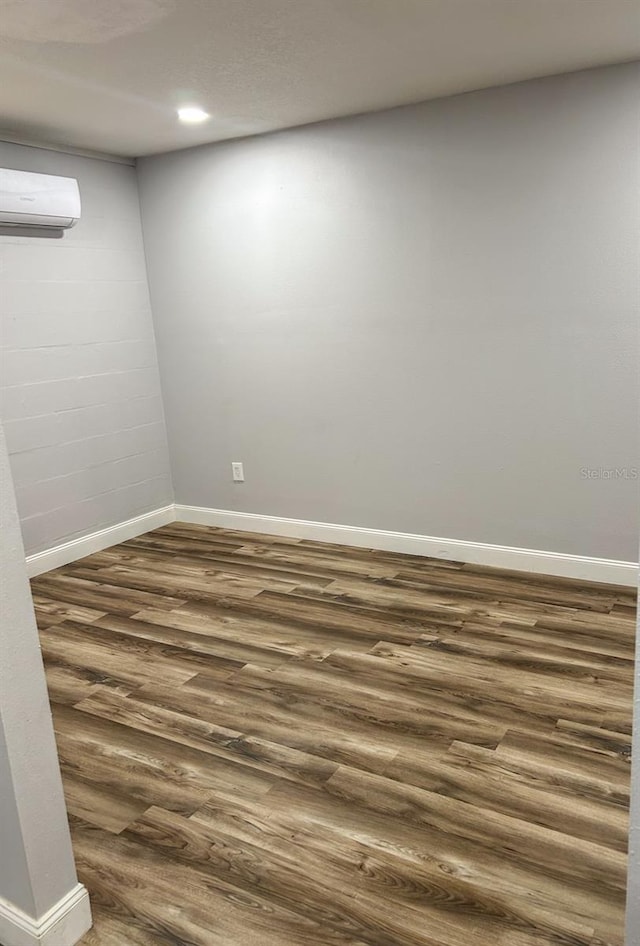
x=38, y=200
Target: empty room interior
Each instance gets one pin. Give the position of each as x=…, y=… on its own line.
x=320, y=462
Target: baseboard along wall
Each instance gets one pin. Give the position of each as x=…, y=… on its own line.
x=477, y=553
x=63, y=925
x=97, y=541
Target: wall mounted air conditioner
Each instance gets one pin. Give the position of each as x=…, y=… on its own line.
x=38, y=200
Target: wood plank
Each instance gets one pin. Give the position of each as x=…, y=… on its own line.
x=229, y=745
x=374, y=853
x=146, y=767
x=300, y=725
x=185, y=905
x=68, y=590
x=345, y=895
x=478, y=778
x=278, y=741
x=547, y=851
x=131, y=661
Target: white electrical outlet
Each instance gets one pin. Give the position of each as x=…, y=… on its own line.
x=237, y=470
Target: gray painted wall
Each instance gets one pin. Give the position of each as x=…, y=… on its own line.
x=14, y=869
x=36, y=861
x=81, y=394
x=422, y=320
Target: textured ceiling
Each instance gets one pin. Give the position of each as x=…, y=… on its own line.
x=107, y=75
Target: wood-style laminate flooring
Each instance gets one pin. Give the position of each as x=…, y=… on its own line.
x=274, y=742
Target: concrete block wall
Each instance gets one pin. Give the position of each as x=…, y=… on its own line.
x=81, y=400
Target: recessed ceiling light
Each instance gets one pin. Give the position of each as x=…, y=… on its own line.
x=192, y=115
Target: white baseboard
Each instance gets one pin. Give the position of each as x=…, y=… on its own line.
x=477, y=553
x=63, y=925
x=97, y=541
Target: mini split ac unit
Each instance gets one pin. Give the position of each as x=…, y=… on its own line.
x=38, y=200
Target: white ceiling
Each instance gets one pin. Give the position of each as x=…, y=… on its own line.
x=107, y=75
